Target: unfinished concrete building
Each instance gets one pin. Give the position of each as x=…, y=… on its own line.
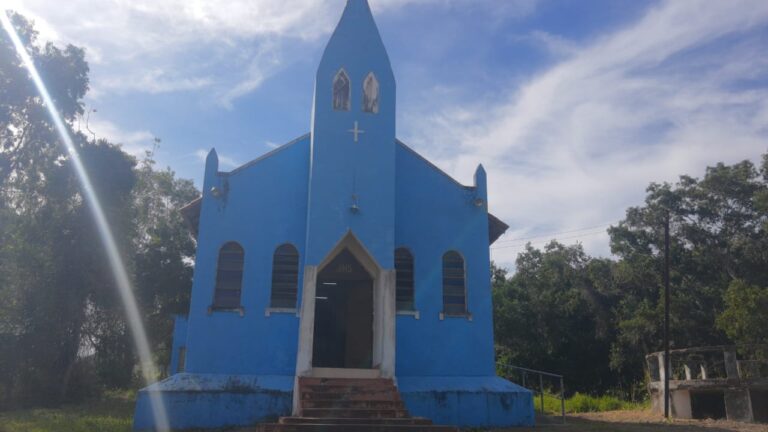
x=711, y=382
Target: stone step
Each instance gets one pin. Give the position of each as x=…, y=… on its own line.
x=340, y=387
x=351, y=405
x=352, y=395
x=353, y=413
x=373, y=421
x=346, y=403
x=346, y=381
x=322, y=427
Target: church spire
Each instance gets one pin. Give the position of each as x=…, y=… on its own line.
x=353, y=140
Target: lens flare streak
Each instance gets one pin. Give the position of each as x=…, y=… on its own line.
x=118, y=268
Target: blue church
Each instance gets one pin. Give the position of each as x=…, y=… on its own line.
x=341, y=255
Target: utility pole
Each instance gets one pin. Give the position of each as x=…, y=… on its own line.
x=667, y=363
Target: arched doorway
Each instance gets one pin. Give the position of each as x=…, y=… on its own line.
x=343, y=322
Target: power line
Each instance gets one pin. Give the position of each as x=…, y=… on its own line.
x=550, y=235
x=520, y=245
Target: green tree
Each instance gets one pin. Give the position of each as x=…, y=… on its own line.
x=718, y=235
x=164, y=251
x=554, y=314
x=62, y=327
x=745, y=318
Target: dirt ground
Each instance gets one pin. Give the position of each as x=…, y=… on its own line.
x=640, y=421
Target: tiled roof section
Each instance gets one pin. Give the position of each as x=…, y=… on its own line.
x=191, y=214
x=496, y=228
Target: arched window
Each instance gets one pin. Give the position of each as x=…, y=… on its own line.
x=341, y=91
x=285, y=277
x=371, y=94
x=229, y=277
x=404, y=284
x=454, y=284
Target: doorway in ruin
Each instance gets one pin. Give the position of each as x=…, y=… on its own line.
x=708, y=405
x=759, y=400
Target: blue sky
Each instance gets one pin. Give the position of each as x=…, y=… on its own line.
x=572, y=106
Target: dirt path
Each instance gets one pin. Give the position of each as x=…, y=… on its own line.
x=641, y=421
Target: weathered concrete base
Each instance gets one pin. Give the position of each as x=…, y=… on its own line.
x=216, y=401
x=468, y=401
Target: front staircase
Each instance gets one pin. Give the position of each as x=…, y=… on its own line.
x=344, y=404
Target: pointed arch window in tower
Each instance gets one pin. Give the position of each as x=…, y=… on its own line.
x=341, y=91
x=371, y=94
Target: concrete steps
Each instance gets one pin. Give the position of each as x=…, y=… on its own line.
x=321, y=427
x=358, y=404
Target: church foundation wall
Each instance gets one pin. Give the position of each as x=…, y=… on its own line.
x=216, y=401
x=468, y=401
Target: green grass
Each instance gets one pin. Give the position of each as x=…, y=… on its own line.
x=580, y=403
x=112, y=413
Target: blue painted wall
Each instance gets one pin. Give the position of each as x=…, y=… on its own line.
x=342, y=167
x=302, y=193
x=179, y=342
x=263, y=205
x=283, y=198
x=434, y=215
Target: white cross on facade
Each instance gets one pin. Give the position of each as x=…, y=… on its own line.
x=357, y=131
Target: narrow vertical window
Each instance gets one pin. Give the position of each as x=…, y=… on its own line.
x=341, y=91
x=454, y=284
x=285, y=277
x=371, y=94
x=404, y=280
x=229, y=277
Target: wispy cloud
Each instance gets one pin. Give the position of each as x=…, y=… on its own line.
x=578, y=143
x=145, y=46
x=151, y=81
x=135, y=143
x=224, y=161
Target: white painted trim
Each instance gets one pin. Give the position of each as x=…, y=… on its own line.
x=467, y=316
x=414, y=313
x=270, y=311
x=384, y=313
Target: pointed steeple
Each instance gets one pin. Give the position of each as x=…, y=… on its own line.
x=354, y=52
x=211, y=170
x=353, y=140
x=356, y=35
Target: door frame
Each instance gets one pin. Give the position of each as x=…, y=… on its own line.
x=383, y=361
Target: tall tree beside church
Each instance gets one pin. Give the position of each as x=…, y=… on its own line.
x=164, y=250
x=554, y=314
x=60, y=318
x=39, y=225
x=718, y=231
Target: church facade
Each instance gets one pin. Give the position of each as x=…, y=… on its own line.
x=343, y=253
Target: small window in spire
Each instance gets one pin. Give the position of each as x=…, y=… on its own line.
x=341, y=91
x=371, y=94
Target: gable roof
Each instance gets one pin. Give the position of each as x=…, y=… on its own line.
x=191, y=211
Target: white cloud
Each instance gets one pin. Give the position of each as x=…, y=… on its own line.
x=150, y=81
x=135, y=143
x=179, y=45
x=224, y=161
x=554, y=44
x=579, y=143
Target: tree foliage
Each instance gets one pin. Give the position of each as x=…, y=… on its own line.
x=595, y=319
x=63, y=333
